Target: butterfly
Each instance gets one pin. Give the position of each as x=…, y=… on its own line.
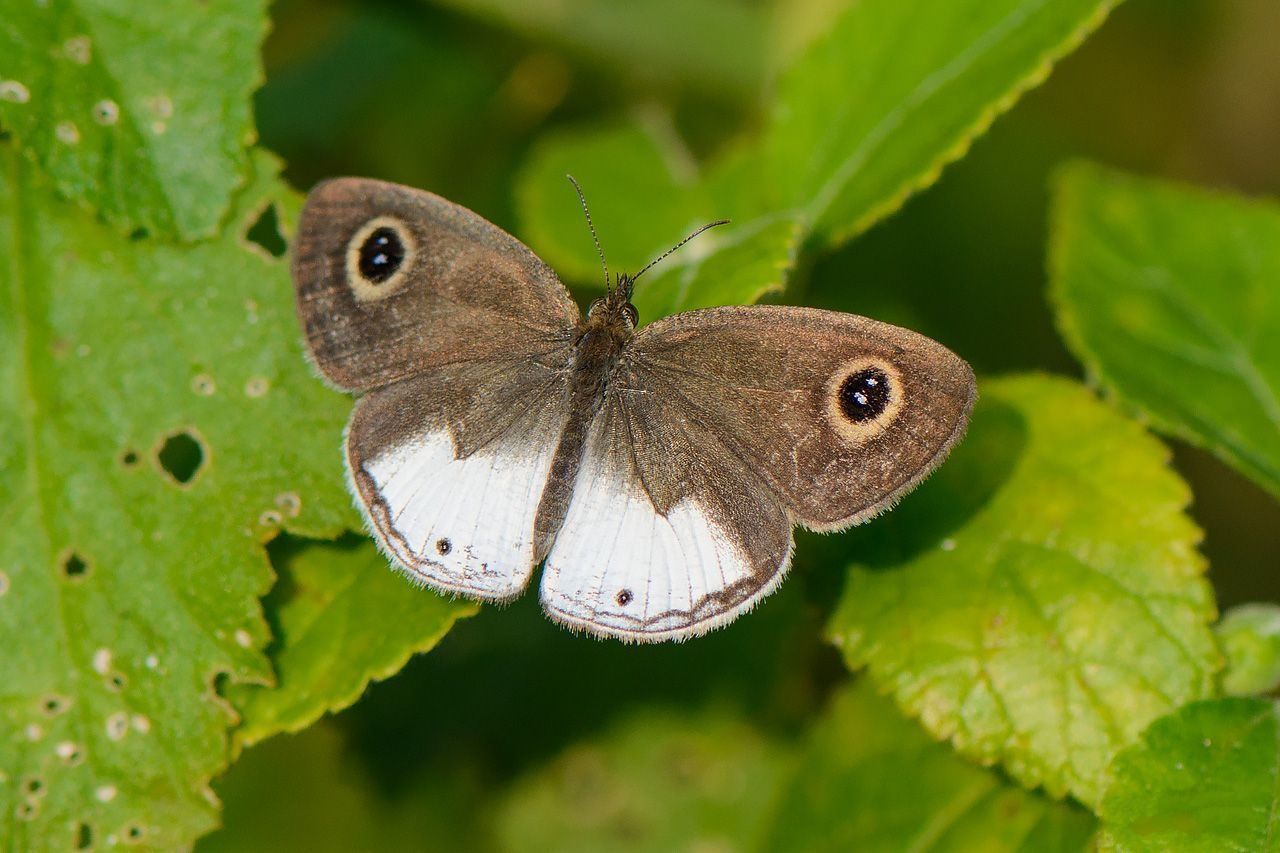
x=655, y=472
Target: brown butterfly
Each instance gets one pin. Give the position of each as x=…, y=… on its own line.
x=657, y=471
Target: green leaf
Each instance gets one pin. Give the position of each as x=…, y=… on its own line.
x=340, y=618
x=1041, y=600
x=869, y=779
x=639, y=181
x=874, y=112
x=140, y=111
x=658, y=782
x=1250, y=640
x=1168, y=295
x=864, y=118
x=645, y=195
x=702, y=45
x=160, y=424
x=1201, y=779
x=312, y=792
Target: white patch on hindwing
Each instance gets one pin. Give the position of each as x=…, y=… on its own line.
x=620, y=568
x=459, y=525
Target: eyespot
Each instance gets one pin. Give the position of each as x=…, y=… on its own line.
x=865, y=395
x=379, y=256
x=863, y=398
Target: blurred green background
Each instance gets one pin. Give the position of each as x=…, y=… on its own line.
x=450, y=97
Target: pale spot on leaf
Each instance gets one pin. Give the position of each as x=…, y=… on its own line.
x=67, y=132
x=79, y=49
x=117, y=725
x=14, y=92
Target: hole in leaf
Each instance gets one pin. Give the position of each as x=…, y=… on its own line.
x=53, y=704
x=181, y=457
x=33, y=785
x=74, y=567
x=117, y=682
x=129, y=458
x=265, y=231
x=84, y=837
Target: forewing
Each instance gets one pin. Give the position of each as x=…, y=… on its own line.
x=391, y=281
x=779, y=388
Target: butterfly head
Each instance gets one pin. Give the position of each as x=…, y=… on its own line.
x=614, y=309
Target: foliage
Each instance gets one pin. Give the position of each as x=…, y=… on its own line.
x=140, y=115
x=181, y=567
x=1040, y=617
x=857, y=125
x=1203, y=778
x=1169, y=297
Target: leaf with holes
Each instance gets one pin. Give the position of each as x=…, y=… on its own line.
x=660, y=781
x=1169, y=297
x=1201, y=779
x=140, y=111
x=340, y=618
x=869, y=779
x=1041, y=599
x=865, y=117
x=160, y=424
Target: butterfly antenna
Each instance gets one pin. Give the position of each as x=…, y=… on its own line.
x=677, y=246
x=587, y=212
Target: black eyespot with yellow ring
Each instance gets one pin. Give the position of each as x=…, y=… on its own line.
x=379, y=256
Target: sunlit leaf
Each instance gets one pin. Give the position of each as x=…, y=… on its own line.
x=874, y=111
x=160, y=424
x=1041, y=599
x=139, y=111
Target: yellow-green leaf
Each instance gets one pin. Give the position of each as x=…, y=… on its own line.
x=1041, y=599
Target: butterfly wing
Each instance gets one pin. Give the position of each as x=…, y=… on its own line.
x=462, y=339
x=723, y=428
x=391, y=281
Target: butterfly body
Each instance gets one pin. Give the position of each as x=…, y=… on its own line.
x=598, y=345
x=655, y=472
